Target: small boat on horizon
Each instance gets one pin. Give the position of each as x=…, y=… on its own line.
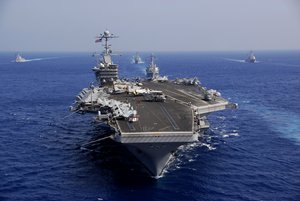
x=20, y=59
x=251, y=58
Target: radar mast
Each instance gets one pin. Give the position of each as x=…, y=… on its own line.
x=106, y=36
x=106, y=72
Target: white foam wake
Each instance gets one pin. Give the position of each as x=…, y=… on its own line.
x=235, y=60
x=287, y=123
x=240, y=60
x=38, y=59
x=282, y=64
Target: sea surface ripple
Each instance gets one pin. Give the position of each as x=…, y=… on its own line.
x=248, y=154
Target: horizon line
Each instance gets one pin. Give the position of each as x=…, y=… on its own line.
x=162, y=51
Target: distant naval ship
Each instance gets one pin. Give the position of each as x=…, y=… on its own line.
x=251, y=58
x=19, y=58
x=137, y=59
x=151, y=117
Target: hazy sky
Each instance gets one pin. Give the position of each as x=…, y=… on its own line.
x=150, y=25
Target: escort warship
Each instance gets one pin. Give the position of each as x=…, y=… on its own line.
x=20, y=59
x=137, y=59
x=251, y=58
x=151, y=117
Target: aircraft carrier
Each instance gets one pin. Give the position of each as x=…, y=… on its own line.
x=151, y=117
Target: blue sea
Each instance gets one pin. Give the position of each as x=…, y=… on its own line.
x=252, y=153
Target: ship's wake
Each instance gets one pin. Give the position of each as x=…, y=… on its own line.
x=286, y=123
x=281, y=64
x=264, y=62
x=239, y=60
x=36, y=59
x=235, y=60
x=208, y=142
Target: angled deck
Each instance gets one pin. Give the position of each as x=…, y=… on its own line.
x=174, y=115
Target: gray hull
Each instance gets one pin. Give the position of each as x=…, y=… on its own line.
x=154, y=156
x=154, y=150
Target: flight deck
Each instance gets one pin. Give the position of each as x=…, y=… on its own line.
x=175, y=114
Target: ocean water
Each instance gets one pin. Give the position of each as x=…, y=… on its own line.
x=252, y=153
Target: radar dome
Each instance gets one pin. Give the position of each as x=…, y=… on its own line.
x=106, y=32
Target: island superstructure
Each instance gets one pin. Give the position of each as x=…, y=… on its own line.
x=151, y=117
